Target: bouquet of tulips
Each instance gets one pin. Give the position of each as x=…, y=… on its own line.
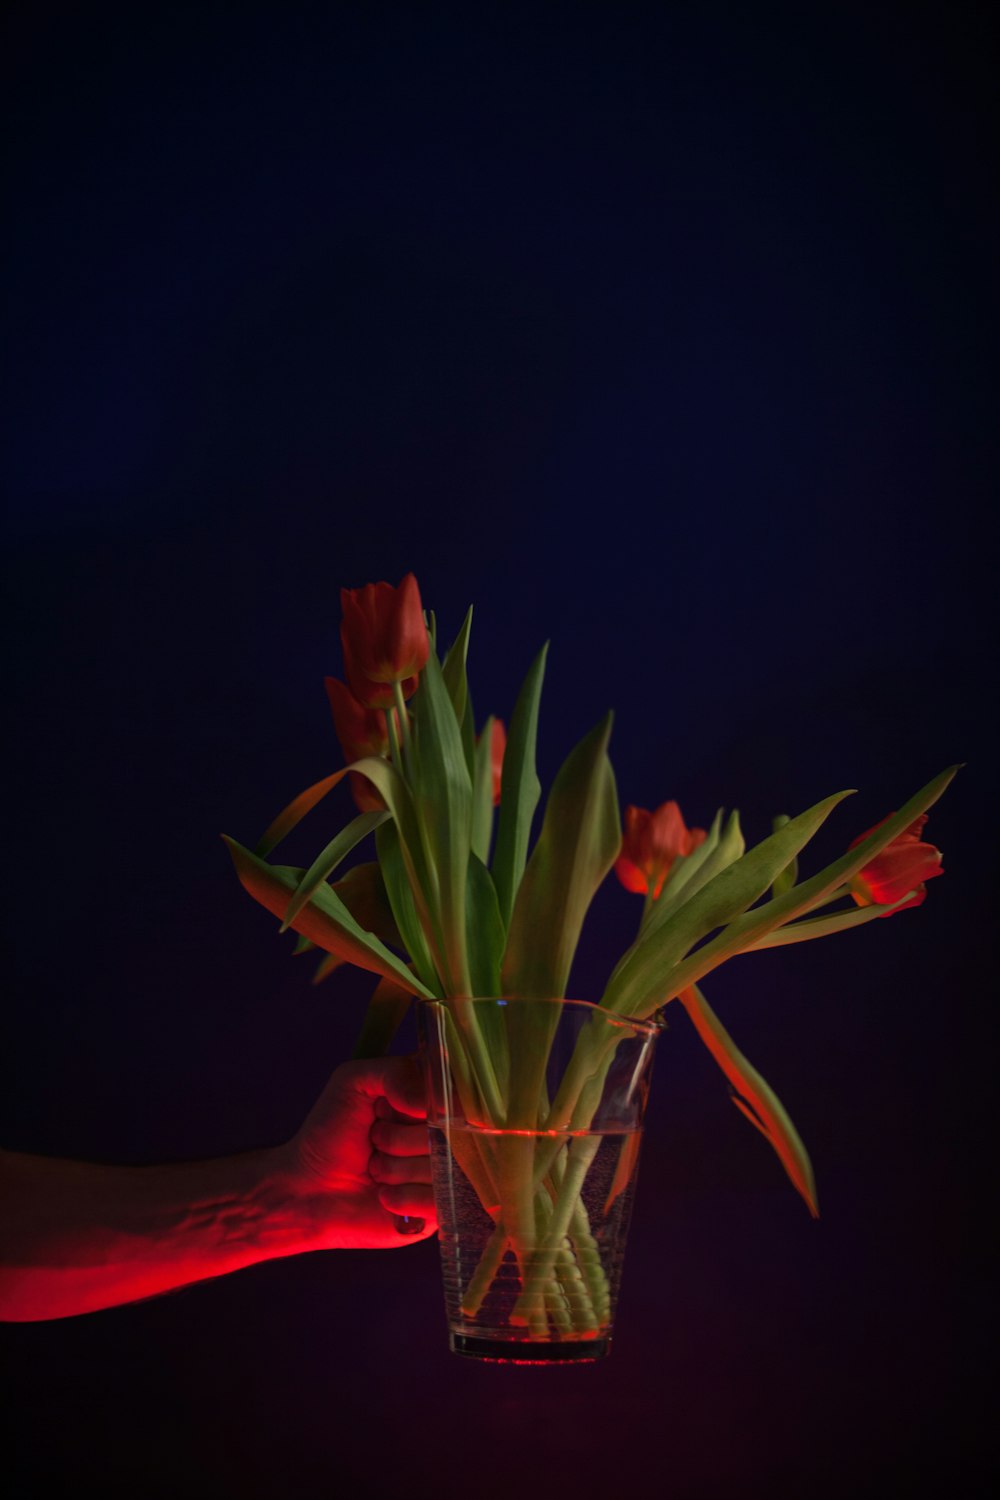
x=452, y=907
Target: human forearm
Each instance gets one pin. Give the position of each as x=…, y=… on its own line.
x=76, y=1236
x=80, y=1236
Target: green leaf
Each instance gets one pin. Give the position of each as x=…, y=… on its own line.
x=400, y=897
x=302, y=945
x=685, y=869
x=292, y=815
x=578, y=844
x=362, y=890
x=421, y=872
x=747, y=929
x=469, y=737
x=326, y=966
x=727, y=848
x=485, y=931
x=442, y=800
x=386, y=1010
x=840, y=921
x=640, y=983
x=454, y=669
x=482, y=794
x=325, y=921
x=520, y=789
x=787, y=877
x=754, y=1097
x=327, y=861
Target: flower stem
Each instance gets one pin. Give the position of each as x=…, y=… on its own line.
x=394, y=754
x=404, y=722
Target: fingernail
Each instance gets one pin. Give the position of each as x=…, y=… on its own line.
x=407, y=1225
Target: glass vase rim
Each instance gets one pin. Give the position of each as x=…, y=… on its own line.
x=651, y=1027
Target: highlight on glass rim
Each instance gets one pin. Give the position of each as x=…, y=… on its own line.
x=535, y=1099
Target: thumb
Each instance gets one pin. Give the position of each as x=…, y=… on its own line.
x=398, y=1079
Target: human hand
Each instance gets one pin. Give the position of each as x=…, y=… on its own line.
x=359, y=1167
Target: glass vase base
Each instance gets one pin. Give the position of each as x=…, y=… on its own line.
x=524, y=1352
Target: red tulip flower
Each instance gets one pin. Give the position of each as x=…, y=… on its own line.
x=903, y=865
x=361, y=731
x=498, y=744
x=653, y=841
x=384, y=639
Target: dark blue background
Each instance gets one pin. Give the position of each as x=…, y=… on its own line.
x=664, y=331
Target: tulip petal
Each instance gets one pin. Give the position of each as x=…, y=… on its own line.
x=631, y=877
x=482, y=794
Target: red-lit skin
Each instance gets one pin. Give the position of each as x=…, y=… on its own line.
x=903, y=865
x=652, y=842
x=385, y=640
x=361, y=731
x=79, y=1236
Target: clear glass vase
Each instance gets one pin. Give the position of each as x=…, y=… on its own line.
x=535, y=1112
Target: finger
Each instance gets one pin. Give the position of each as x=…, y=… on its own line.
x=409, y=1198
x=398, y=1079
x=399, y=1169
x=399, y=1140
x=383, y=1110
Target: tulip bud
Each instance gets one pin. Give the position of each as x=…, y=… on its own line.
x=653, y=842
x=498, y=744
x=385, y=640
x=902, y=866
x=361, y=731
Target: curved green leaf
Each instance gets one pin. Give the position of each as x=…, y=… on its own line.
x=685, y=870
x=520, y=789
x=292, y=815
x=327, y=861
x=362, y=890
x=840, y=921
x=640, y=983
x=482, y=793
x=442, y=802
x=325, y=921
x=485, y=931
x=725, y=851
x=454, y=669
x=327, y=965
x=383, y=1018
x=746, y=929
x=578, y=844
x=399, y=894
x=787, y=877
x=754, y=1097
